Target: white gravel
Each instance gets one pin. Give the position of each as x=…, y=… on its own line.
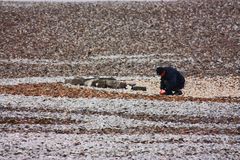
x=94, y=146
x=102, y=121
x=58, y=133
x=79, y=0
x=46, y=144
x=31, y=80
x=152, y=58
x=212, y=109
x=28, y=140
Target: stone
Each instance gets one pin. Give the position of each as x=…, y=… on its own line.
x=100, y=83
x=76, y=81
x=139, y=88
x=108, y=82
x=107, y=78
x=115, y=84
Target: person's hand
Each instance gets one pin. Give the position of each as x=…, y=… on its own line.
x=162, y=92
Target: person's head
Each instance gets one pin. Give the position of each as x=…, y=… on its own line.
x=160, y=71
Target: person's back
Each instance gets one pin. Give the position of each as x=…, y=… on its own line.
x=171, y=80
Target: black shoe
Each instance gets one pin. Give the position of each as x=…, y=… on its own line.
x=178, y=92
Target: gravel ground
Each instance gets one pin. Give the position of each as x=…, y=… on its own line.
x=201, y=87
x=39, y=127
x=35, y=125
x=42, y=44
x=196, y=36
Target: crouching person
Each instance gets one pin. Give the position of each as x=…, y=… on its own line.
x=172, y=81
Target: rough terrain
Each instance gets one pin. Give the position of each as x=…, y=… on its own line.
x=119, y=39
x=43, y=44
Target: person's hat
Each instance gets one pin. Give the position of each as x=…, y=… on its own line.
x=160, y=70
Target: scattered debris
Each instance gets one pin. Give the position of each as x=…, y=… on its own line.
x=106, y=82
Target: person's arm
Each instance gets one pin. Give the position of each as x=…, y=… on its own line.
x=162, y=88
x=162, y=85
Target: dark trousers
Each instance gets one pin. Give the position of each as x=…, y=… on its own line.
x=176, y=89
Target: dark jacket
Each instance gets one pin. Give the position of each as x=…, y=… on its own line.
x=172, y=80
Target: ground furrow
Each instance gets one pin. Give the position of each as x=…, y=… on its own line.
x=78, y=114
x=118, y=130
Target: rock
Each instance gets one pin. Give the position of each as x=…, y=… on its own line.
x=90, y=83
x=76, y=81
x=132, y=84
x=99, y=83
x=115, y=84
x=108, y=84
x=139, y=88
x=107, y=78
x=81, y=81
